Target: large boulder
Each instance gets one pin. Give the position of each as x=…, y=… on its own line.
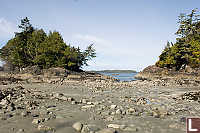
x=34, y=70
x=187, y=75
x=150, y=73
x=55, y=71
x=8, y=67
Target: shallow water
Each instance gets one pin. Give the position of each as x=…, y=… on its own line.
x=121, y=76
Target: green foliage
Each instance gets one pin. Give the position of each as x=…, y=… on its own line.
x=186, y=50
x=34, y=47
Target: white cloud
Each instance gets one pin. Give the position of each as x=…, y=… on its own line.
x=7, y=28
x=106, y=47
x=101, y=45
x=114, y=55
x=93, y=39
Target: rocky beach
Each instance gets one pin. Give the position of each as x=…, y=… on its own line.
x=53, y=102
x=73, y=66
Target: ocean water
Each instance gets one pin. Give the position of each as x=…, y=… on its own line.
x=121, y=76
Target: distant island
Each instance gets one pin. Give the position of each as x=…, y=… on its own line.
x=117, y=71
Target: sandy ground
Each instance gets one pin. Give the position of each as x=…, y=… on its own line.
x=135, y=108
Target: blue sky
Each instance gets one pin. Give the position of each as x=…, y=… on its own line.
x=127, y=34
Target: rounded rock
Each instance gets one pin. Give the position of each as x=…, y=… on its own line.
x=77, y=126
x=119, y=111
x=113, y=106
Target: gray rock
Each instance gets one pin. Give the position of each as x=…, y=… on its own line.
x=63, y=98
x=118, y=111
x=156, y=114
x=11, y=107
x=131, y=110
x=46, y=119
x=113, y=106
x=110, y=118
x=89, y=103
x=36, y=121
x=58, y=95
x=87, y=106
x=124, y=112
x=85, y=129
x=70, y=99
x=9, y=97
x=4, y=102
x=24, y=113
x=105, y=113
x=112, y=113
x=46, y=129
x=77, y=126
x=73, y=102
x=97, y=103
x=183, y=119
x=116, y=126
x=110, y=102
x=1, y=96
x=84, y=101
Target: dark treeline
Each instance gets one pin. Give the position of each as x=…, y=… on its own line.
x=186, y=50
x=33, y=46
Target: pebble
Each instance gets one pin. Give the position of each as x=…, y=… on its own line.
x=89, y=103
x=63, y=98
x=110, y=102
x=11, y=107
x=85, y=129
x=70, y=99
x=112, y=113
x=118, y=111
x=46, y=119
x=183, y=119
x=96, y=103
x=87, y=106
x=1, y=96
x=156, y=114
x=58, y=95
x=73, y=102
x=36, y=121
x=110, y=118
x=84, y=101
x=45, y=128
x=131, y=110
x=77, y=126
x=116, y=126
x=4, y=102
x=113, y=106
x=24, y=113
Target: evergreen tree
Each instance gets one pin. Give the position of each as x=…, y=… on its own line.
x=186, y=50
x=34, y=47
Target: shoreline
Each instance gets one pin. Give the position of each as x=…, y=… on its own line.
x=96, y=103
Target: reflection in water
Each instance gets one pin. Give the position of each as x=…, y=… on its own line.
x=121, y=76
